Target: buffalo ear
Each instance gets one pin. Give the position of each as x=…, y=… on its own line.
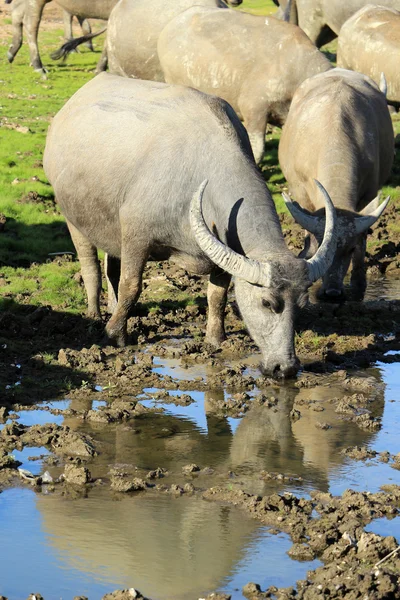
x=370, y=214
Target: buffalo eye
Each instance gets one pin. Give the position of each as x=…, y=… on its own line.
x=266, y=304
x=273, y=304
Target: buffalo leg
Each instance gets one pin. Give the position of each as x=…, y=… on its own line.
x=134, y=255
x=255, y=122
x=86, y=29
x=358, y=279
x=103, y=60
x=216, y=297
x=112, y=267
x=90, y=269
x=17, y=17
x=67, y=18
x=33, y=16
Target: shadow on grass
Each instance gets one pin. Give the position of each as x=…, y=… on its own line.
x=30, y=340
x=22, y=244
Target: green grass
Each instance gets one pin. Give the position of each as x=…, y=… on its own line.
x=259, y=7
x=34, y=226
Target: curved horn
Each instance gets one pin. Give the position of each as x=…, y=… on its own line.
x=307, y=221
x=230, y=261
x=365, y=222
x=322, y=259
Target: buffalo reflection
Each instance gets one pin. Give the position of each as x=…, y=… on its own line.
x=179, y=547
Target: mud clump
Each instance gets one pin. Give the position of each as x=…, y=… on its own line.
x=123, y=481
x=301, y=552
x=60, y=439
x=359, y=453
x=130, y=594
x=76, y=475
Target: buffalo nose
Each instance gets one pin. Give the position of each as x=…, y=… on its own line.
x=334, y=293
x=282, y=370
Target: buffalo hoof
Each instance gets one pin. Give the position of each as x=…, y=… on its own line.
x=215, y=340
x=43, y=72
x=116, y=336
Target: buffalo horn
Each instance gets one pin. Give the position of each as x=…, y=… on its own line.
x=224, y=257
x=303, y=218
x=365, y=222
x=322, y=259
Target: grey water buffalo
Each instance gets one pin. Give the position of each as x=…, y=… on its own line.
x=133, y=30
x=149, y=147
x=18, y=17
x=323, y=19
x=369, y=42
x=254, y=63
x=82, y=9
x=338, y=131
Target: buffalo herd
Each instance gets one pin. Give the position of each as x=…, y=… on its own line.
x=173, y=135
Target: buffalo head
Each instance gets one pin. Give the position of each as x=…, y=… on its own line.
x=352, y=229
x=268, y=291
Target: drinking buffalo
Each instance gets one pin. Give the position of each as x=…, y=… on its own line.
x=369, y=42
x=338, y=131
x=127, y=189
x=323, y=19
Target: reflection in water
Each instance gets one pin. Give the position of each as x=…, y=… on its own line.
x=170, y=548
x=183, y=547
x=381, y=288
x=384, y=288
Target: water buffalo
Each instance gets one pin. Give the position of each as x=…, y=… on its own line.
x=18, y=15
x=255, y=63
x=323, y=19
x=338, y=131
x=151, y=19
x=133, y=31
x=369, y=42
x=127, y=189
x=83, y=9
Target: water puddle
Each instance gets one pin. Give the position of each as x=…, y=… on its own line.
x=384, y=288
x=38, y=417
x=97, y=544
x=184, y=547
x=385, y=527
x=31, y=459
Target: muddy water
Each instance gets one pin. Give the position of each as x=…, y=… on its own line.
x=91, y=542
